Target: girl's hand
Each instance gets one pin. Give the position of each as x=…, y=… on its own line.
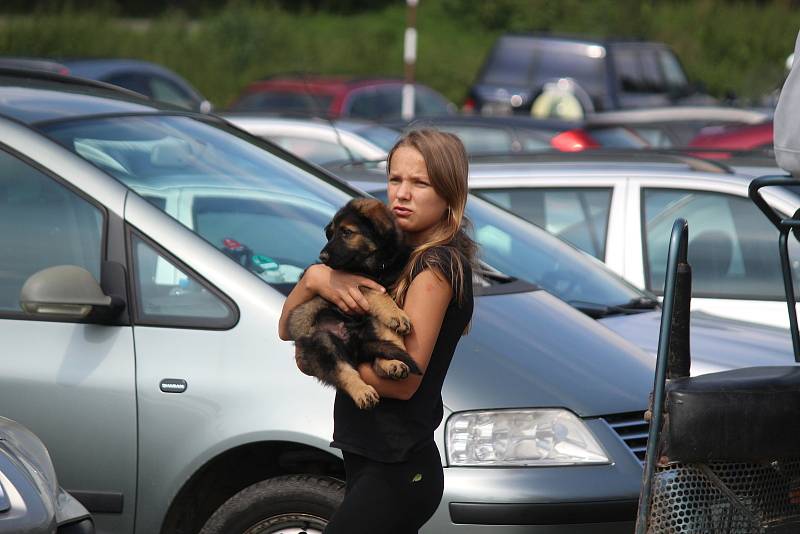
x=340, y=288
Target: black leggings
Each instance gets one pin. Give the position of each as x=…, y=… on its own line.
x=395, y=498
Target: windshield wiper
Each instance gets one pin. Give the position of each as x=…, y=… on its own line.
x=484, y=270
x=595, y=310
x=639, y=303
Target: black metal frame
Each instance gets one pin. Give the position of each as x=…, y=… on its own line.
x=678, y=251
x=667, y=365
x=784, y=226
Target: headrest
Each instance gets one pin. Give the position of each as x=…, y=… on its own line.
x=786, y=125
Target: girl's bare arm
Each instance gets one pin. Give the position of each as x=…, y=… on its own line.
x=426, y=304
x=338, y=287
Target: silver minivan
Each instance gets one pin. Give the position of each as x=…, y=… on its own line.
x=145, y=255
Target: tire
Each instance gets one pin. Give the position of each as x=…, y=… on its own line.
x=292, y=504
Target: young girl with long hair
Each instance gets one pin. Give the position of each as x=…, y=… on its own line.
x=393, y=466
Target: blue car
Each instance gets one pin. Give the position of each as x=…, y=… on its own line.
x=143, y=77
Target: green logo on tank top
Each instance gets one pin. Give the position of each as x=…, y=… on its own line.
x=417, y=477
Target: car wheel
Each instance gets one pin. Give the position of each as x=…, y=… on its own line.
x=292, y=504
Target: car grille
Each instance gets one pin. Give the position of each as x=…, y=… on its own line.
x=632, y=428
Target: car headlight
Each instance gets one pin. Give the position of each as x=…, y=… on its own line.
x=545, y=437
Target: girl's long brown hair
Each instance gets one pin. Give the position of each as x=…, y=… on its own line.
x=448, y=168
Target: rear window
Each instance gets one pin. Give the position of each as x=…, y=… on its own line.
x=526, y=61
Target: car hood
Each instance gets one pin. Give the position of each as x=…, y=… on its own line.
x=533, y=350
x=716, y=343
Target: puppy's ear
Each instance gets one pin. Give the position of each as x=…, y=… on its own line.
x=329, y=230
x=377, y=212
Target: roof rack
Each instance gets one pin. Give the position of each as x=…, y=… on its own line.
x=49, y=76
x=641, y=155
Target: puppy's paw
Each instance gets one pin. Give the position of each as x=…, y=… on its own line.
x=400, y=324
x=366, y=397
x=391, y=369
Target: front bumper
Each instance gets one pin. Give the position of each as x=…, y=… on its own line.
x=543, y=500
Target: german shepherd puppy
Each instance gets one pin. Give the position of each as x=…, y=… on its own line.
x=363, y=238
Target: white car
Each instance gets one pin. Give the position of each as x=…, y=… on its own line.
x=318, y=140
x=622, y=213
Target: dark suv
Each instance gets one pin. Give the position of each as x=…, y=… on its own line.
x=556, y=76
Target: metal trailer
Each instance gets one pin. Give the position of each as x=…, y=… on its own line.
x=722, y=453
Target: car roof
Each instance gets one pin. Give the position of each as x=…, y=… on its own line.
x=609, y=168
x=325, y=85
x=21, y=62
x=99, y=67
x=365, y=172
x=607, y=156
x=524, y=123
x=267, y=119
x=676, y=114
x=36, y=96
x=582, y=39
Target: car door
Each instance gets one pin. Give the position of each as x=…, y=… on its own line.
x=733, y=248
x=588, y=212
x=71, y=381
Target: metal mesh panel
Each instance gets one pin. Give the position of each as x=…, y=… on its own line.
x=726, y=498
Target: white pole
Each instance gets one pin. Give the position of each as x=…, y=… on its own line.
x=409, y=59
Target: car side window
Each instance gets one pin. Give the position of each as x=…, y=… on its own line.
x=651, y=71
x=131, y=81
x=164, y=90
x=169, y=295
x=639, y=70
x=578, y=216
x=428, y=103
x=368, y=103
x=44, y=223
x=733, y=249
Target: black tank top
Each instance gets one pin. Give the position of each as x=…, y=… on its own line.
x=395, y=428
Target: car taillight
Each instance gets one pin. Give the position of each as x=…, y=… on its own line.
x=573, y=141
x=469, y=105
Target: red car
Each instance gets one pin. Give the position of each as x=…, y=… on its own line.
x=363, y=98
x=753, y=137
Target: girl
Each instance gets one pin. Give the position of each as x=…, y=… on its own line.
x=394, y=471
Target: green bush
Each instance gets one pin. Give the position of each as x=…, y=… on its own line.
x=730, y=46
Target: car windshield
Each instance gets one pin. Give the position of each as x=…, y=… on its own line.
x=258, y=208
x=263, y=211
x=523, y=250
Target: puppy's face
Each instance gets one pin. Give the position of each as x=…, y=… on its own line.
x=361, y=236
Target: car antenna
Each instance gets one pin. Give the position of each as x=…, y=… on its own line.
x=326, y=117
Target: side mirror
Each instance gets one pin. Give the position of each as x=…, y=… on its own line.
x=66, y=291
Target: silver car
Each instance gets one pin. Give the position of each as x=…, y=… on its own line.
x=146, y=255
x=319, y=140
x=621, y=212
x=31, y=501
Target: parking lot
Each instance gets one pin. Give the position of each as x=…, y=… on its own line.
x=630, y=251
